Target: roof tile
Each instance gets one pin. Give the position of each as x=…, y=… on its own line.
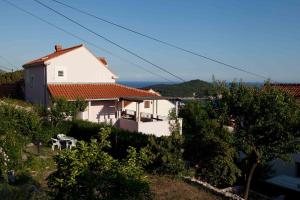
x=291, y=88
x=96, y=91
x=50, y=56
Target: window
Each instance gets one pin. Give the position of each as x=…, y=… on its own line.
x=60, y=73
x=147, y=104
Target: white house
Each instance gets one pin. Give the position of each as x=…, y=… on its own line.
x=75, y=72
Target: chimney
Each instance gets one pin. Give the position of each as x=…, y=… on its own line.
x=58, y=47
x=103, y=60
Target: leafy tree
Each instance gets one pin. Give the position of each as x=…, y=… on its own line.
x=208, y=145
x=167, y=151
x=266, y=122
x=61, y=109
x=88, y=172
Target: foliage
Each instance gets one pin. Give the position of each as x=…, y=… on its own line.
x=120, y=139
x=209, y=146
x=12, y=84
x=266, y=122
x=11, y=77
x=80, y=105
x=187, y=89
x=88, y=172
x=17, y=126
x=61, y=109
x=167, y=152
x=18, y=119
x=17, y=102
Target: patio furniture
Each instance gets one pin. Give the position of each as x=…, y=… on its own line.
x=68, y=141
x=59, y=136
x=71, y=143
x=55, y=142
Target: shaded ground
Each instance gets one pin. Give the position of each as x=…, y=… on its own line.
x=166, y=188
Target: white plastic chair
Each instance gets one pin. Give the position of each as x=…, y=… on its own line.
x=59, y=136
x=71, y=143
x=55, y=142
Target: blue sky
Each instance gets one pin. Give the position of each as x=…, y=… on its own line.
x=259, y=36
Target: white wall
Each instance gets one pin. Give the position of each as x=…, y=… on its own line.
x=35, y=85
x=101, y=111
x=157, y=128
x=157, y=107
x=79, y=66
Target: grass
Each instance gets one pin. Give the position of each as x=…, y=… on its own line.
x=167, y=188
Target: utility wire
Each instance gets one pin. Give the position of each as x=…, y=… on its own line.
x=6, y=60
x=6, y=68
x=87, y=42
x=110, y=41
x=160, y=41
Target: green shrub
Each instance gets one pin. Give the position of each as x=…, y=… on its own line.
x=120, y=139
x=167, y=154
x=89, y=172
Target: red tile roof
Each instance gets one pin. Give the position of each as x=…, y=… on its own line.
x=50, y=56
x=291, y=88
x=96, y=91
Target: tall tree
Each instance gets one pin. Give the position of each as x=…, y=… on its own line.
x=266, y=122
x=208, y=145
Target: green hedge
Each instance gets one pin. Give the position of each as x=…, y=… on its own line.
x=120, y=139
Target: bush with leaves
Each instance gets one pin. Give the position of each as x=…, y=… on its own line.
x=17, y=126
x=88, y=172
x=18, y=119
x=167, y=151
x=208, y=145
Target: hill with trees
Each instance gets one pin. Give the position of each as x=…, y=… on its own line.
x=197, y=88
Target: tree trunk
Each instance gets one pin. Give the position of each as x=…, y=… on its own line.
x=255, y=162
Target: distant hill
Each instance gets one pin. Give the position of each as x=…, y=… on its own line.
x=191, y=88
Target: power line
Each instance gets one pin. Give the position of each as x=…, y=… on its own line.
x=160, y=41
x=87, y=42
x=6, y=60
x=110, y=41
x=6, y=68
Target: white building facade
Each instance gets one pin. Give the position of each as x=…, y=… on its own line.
x=75, y=73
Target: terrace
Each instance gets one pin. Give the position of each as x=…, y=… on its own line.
x=145, y=122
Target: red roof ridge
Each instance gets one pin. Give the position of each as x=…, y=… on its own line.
x=52, y=55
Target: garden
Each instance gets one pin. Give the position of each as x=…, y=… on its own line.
x=110, y=163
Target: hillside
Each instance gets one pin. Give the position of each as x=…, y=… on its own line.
x=191, y=88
